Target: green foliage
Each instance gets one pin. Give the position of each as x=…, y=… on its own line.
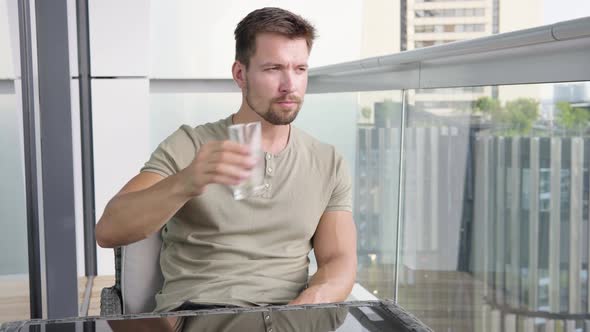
x=572, y=118
x=521, y=114
x=486, y=105
x=516, y=117
x=366, y=112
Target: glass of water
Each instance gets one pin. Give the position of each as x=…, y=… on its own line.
x=249, y=134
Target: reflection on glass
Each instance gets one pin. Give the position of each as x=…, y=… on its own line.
x=365, y=129
x=496, y=207
x=378, y=142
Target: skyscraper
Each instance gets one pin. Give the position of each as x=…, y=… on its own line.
x=436, y=22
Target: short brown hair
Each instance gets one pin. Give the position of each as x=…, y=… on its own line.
x=269, y=19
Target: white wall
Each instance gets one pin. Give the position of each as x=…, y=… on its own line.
x=121, y=143
x=119, y=34
x=194, y=39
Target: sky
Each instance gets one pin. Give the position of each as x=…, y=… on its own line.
x=563, y=10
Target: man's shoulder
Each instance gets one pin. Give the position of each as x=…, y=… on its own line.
x=314, y=146
x=201, y=133
x=212, y=130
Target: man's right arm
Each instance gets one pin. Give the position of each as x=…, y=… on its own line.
x=149, y=200
x=141, y=208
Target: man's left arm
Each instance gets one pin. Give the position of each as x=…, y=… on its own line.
x=334, y=245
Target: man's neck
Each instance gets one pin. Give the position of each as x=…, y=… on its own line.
x=274, y=137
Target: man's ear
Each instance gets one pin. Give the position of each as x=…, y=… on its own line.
x=239, y=73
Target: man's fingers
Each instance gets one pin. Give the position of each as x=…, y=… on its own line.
x=227, y=170
x=223, y=162
x=226, y=180
x=230, y=146
x=232, y=158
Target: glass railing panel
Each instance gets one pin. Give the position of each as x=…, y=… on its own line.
x=365, y=130
x=496, y=206
x=14, y=270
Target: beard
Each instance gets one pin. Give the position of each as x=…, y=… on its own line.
x=272, y=113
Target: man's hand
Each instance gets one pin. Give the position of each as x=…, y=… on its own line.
x=335, y=250
x=313, y=295
x=223, y=162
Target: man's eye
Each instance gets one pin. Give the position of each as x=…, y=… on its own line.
x=271, y=68
x=302, y=69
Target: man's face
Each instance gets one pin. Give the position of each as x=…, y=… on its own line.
x=276, y=79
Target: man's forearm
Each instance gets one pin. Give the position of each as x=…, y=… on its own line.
x=133, y=216
x=332, y=282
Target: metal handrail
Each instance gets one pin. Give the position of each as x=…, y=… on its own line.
x=552, y=53
x=567, y=30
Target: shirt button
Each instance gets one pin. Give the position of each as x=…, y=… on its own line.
x=269, y=169
x=270, y=330
x=266, y=185
x=267, y=317
x=268, y=156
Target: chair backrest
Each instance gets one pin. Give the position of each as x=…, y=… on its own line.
x=141, y=275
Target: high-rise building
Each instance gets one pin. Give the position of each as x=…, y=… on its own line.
x=572, y=92
x=435, y=22
x=441, y=21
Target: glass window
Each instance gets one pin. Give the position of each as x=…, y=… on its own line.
x=425, y=43
x=453, y=12
x=495, y=184
x=425, y=28
x=14, y=281
x=14, y=269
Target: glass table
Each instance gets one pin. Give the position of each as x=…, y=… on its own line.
x=341, y=317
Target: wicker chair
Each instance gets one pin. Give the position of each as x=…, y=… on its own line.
x=138, y=278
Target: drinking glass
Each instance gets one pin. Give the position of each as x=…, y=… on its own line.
x=249, y=134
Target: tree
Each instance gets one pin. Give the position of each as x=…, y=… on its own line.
x=487, y=106
x=516, y=117
x=572, y=118
x=520, y=114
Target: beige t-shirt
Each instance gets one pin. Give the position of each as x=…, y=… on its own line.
x=253, y=251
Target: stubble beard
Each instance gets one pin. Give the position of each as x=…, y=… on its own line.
x=275, y=116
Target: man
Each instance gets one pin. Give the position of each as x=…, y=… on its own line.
x=219, y=251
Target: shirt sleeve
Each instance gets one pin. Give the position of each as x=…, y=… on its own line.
x=173, y=154
x=341, y=198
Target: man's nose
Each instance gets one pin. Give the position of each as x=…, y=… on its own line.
x=287, y=82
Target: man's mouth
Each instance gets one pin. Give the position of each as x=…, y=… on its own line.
x=287, y=102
